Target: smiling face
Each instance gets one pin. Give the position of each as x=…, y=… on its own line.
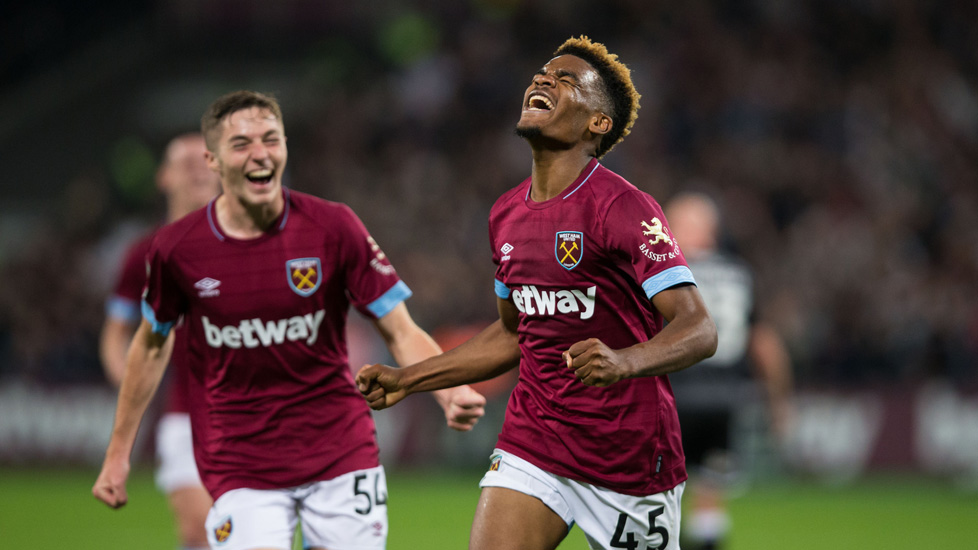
x=250, y=157
x=564, y=104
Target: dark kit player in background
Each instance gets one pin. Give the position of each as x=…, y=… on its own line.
x=587, y=277
x=751, y=365
x=262, y=279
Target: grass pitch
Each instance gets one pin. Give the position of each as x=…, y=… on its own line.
x=43, y=509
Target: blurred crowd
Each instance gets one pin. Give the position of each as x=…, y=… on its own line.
x=840, y=139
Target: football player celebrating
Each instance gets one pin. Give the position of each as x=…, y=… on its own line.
x=596, y=306
x=262, y=278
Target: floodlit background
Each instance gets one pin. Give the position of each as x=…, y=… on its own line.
x=840, y=139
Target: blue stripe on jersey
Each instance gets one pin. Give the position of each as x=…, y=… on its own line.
x=389, y=300
x=596, y=164
x=211, y=207
x=163, y=329
x=502, y=290
x=575, y=189
x=667, y=279
x=285, y=215
x=122, y=309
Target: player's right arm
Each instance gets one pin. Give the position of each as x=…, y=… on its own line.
x=486, y=355
x=146, y=362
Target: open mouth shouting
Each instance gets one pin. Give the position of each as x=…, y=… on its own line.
x=538, y=102
x=260, y=177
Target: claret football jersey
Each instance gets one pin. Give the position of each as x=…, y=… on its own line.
x=272, y=403
x=586, y=264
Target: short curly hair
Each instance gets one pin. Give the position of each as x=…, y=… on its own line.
x=231, y=103
x=618, y=87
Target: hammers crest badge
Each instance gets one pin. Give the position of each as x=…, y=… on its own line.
x=569, y=248
x=304, y=275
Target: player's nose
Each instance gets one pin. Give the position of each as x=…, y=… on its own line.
x=259, y=152
x=544, y=80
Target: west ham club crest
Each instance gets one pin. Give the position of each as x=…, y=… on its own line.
x=569, y=248
x=223, y=531
x=304, y=275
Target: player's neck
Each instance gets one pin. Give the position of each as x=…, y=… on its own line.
x=554, y=171
x=246, y=221
x=176, y=209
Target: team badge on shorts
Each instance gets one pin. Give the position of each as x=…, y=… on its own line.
x=222, y=533
x=569, y=248
x=494, y=462
x=304, y=275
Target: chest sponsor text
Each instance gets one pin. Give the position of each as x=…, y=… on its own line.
x=532, y=301
x=251, y=333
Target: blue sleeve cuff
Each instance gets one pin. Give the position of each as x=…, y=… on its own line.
x=389, y=300
x=502, y=290
x=122, y=309
x=667, y=279
x=163, y=329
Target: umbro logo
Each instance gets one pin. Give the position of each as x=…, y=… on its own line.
x=208, y=287
x=506, y=249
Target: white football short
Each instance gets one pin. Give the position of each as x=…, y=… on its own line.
x=345, y=513
x=177, y=467
x=608, y=519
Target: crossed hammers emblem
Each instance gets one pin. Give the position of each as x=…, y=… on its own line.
x=304, y=281
x=569, y=252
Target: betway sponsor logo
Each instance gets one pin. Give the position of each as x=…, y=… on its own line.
x=252, y=333
x=533, y=301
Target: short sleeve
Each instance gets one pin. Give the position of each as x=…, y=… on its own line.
x=372, y=283
x=163, y=301
x=502, y=291
x=636, y=232
x=123, y=304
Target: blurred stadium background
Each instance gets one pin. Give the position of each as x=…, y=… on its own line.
x=839, y=137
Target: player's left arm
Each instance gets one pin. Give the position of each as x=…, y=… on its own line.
x=689, y=337
x=772, y=367
x=410, y=344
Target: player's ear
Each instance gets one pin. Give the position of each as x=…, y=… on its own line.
x=212, y=161
x=600, y=124
x=162, y=179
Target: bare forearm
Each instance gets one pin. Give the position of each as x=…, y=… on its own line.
x=145, y=365
x=487, y=355
x=772, y=363
x=680, y=344
x=113, y=345
x=413, y=348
